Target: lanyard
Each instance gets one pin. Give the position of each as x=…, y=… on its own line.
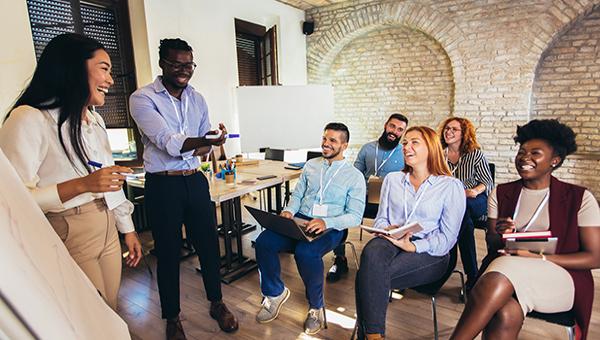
x=416, y=203
x=321, y=188
x=384, y=161
x=537, y=212
x=184, y=109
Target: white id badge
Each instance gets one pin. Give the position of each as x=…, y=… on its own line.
x=319, y=210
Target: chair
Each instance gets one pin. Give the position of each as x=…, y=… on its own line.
x=566, y=319
x=313, y=154
x=481, y=223
x=274, y=154
x=432, y=289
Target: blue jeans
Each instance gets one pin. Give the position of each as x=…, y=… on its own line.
x=476, y=207
x=383, y=266
x=308, y=257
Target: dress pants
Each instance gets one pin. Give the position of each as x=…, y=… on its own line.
x=476, y=207
x=172, y=201
x=89, y=232
x=308, y=257
x=383, y=267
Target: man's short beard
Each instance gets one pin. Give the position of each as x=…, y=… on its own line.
x=385, y=143
x=333, y=155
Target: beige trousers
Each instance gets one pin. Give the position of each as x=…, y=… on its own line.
x=90, y=235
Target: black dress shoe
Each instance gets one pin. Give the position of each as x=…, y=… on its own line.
x=175, y=330
x=338, y=269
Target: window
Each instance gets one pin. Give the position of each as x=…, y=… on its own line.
x=257, y=54
x=108, y=22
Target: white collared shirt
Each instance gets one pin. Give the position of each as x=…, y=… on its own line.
x=29, y=139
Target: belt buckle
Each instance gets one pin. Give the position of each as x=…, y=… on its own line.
x=187, y=172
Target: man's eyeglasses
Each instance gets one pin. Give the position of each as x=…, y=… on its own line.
x=179, y=66
x=447, y=128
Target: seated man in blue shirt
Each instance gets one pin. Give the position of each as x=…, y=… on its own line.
x=330, y=194
x=377, y=158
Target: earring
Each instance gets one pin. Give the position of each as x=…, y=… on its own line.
x=553, y=165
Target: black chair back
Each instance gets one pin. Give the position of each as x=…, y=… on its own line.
x=274, y=154
x=313, y=154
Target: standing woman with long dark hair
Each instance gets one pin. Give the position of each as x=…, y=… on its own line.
x=58, y=145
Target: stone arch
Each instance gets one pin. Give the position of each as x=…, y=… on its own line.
x=322, y=52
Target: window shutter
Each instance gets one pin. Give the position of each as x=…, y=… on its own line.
x=247, y=60
x=98, y=20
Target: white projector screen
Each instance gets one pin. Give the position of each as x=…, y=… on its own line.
x=283, y=117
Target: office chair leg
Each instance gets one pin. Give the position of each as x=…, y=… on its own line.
x=463, y=291
x=324, y=317
x=353, y=253
x=571, y=333
x=434, y=313
x=354, y=330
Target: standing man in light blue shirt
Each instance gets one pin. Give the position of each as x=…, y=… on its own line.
x=377, y=158
x=330, y=195
x=173, y=121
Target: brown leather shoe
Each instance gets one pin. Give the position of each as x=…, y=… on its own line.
x=175, y=330
x=227, y=321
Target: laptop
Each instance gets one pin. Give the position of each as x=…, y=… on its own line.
x=284, y=226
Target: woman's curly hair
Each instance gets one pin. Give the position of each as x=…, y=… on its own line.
x=560, y=137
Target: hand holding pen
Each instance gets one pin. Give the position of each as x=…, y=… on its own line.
x=104, y=179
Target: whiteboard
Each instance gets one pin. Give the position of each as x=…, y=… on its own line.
x=283, y=117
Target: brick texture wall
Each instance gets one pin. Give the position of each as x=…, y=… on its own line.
x=387, y=69
x=567, y=87
x=496, y=53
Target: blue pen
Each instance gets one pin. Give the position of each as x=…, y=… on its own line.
x=95, y=164
x=232, y=135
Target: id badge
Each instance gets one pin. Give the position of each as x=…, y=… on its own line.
x=319, y=210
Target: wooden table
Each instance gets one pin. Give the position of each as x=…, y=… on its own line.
x=228, y=197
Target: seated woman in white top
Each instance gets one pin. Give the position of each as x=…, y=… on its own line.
x=57, y=143
x=521, y=281
x=424, y=192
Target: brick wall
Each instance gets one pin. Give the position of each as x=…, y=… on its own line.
x=387, y=69
x=493, y=50
x=567, y=87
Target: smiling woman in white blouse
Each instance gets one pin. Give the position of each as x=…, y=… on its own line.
x=59, y=147
x=424, y=192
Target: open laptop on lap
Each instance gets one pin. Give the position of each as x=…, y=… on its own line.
x=291, y=228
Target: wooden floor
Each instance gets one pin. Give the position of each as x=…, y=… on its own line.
x=408, y=318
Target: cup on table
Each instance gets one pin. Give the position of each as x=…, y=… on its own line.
x=229, y=177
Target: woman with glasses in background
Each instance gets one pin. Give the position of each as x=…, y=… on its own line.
x=467, y=163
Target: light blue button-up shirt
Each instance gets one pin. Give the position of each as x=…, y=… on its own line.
x=365, y=161
x=165, y=122
x=440, y=210
x=344, y=196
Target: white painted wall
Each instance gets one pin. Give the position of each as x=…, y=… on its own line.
x=17, y=57
x=208, y=26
